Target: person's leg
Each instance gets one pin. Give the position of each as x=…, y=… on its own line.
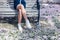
x=25, y=17
x=19, y=18
x=20, y=6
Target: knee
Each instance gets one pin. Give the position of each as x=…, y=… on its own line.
x=23, y=11
x=20, y=6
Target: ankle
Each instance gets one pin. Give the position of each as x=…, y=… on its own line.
x=19, y=24
x=26, y=20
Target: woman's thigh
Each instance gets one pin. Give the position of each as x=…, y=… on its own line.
x=20, y=6
x=22, y=9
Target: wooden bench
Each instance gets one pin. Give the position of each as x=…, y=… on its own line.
x=7, y=9
x=50, y=1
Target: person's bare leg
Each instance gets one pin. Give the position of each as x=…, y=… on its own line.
x=19, y=16
x=24, y=14
x=20, y=6
x=25, y=17
x=19, y=19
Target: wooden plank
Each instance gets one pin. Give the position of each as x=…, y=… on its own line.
x=12, y=12
x=50, y=1
x=13, y=15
